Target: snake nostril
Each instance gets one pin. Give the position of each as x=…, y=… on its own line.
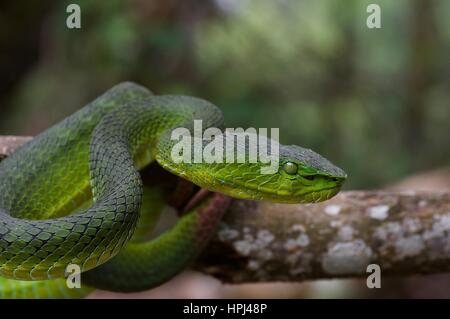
x=309, y=177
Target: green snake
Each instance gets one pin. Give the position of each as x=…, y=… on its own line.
x=74, y=195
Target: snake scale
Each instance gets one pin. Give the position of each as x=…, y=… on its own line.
x=74, y=195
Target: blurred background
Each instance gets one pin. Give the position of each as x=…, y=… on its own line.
x=375, y=101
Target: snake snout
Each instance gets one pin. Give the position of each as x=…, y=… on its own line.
x=337, y=180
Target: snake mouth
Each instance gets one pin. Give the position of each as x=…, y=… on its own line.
x=324, y=194
x=312, y=196
x=257, y=192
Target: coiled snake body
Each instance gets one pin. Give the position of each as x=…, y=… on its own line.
x=73, y=195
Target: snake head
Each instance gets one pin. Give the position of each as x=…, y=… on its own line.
x=243, y=164
x=302, y=176
x=306, y=176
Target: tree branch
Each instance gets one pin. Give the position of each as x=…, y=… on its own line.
x=404, y=233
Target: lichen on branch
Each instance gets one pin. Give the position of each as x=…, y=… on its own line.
x=404, y=233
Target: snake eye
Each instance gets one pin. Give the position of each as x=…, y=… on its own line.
x=290, y=168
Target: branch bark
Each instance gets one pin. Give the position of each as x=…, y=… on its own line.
x=404, y=233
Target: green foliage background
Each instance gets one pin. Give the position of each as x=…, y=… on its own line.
x=376, y=102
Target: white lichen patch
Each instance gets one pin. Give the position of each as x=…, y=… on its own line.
x=409, y=239
x=243, y=247
x=408, y=247
x=347, y=258
x=257, y=246
x=336, y=223
x=379, y=212
x=253, y=265
x=298, y=228
x=412, y=225
x=392, y=231
x=265, y=236
x=227, y=234
x=389, y=231
x=301, y=241
x=423, y=203
x=441, y=224
x=437, y=238
x=332, y=210
x=345, y=233
x=290, y=245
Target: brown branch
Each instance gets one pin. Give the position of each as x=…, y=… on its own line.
x=404, y=233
